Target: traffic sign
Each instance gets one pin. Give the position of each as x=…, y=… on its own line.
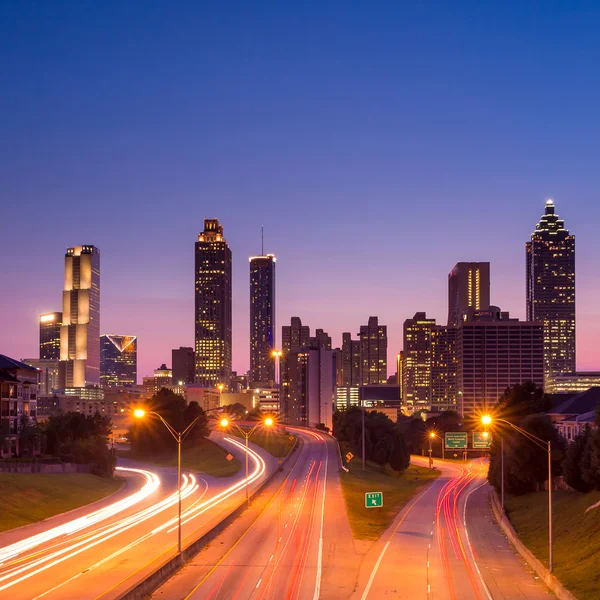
x=374, y=499
x=458, y=440
x=229, y=457
x=482, y=439
x=349, y=456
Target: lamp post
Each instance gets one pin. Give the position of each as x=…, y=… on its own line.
x=268, y=422
x=276, y=354
x=179, y=436
x=544, y=445
x=220, y=387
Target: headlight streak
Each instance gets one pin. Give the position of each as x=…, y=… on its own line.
x=151, y=485
x=109, y=531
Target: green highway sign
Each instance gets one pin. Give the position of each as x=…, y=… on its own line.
x=458, y=440
x=482, y=439
x=373, y=499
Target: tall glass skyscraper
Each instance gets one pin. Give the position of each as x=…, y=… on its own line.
x=468, y=287
x=80, y=329
x=550, y=290
x=50, y=336
x=213, y=307
x=118, y=360
x=262, y=319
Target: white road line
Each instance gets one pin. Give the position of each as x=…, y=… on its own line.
x=375, y=569
x=320, y=555
x=259, y=582
x=272, y=555
x=485, y=587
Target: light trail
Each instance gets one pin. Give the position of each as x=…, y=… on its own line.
x=151, y=485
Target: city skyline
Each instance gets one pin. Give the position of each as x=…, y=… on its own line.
x=460, y=125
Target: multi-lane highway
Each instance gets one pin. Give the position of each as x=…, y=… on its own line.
x=288, y=549
x=100, y=553
x=444, y=545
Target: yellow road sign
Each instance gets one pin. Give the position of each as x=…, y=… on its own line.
x=349, y=456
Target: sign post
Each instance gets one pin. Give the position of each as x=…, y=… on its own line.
x=374, y=499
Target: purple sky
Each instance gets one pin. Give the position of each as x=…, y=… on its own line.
x=378, y=148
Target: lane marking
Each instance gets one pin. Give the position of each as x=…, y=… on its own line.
x=320, y=553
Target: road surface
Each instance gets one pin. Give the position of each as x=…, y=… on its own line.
x=104, y=553
x=444, y=545
x=296, y=543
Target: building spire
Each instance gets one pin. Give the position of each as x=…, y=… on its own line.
x=262, y=240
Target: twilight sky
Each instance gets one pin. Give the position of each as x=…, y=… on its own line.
x=378, y=143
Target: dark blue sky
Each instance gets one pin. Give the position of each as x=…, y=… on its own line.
x=378, y=143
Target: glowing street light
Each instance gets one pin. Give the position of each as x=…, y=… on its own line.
x=267, y=422
x=544, y=445
x=140, y=413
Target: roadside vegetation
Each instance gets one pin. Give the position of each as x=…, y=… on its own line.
x=398, y=489
x=576, y=536
x=30, y=498
x=277, y=443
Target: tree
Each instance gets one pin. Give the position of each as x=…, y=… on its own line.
x=149, y=436
x=572, y=464
x=399, y=457
x=521, y=400
x=590, y=461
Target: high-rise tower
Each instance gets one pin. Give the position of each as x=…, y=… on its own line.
x=50, y=336
x=118, y=360
x=373, y=352
x=550, y=290
x=80, y=329
x=262, y=319
x=213, y=307
x=468, y=287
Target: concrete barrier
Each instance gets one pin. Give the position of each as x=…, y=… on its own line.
x=152, y=582
x=548, y=578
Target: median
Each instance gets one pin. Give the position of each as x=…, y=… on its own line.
x=397, y=490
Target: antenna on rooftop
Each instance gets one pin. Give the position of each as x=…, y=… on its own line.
x=262, y=240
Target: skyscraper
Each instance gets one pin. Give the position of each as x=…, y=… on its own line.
x=182, y=360
x=50, y=336
x=494, y=352
x=294, y=336
x=373, y=352
x=550, y=290
x=213, y=307
x=417, y=360
x=262, y=319
x=468, y=286
x=118, y=360
x=80, y=329
x=443, y=368
x=350, y=360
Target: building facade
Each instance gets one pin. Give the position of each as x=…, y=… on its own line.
x=118, y=360
x=212, y=307
x=568, y=383
x=495, y=352
x=80, y=329
x=182, y=361
x=48, y=375
x=294, y=336
x=350, y=360
x=444, y=366
x=550, y=289
x=373, y=352
x=262, y=319
x=50, y=336
x=468, y=287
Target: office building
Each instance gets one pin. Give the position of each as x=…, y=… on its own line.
x=468, y=287
x=350, y=360
x=118, y=360
x=18, y=399
x=346, y=396
x=182, y=361
x=207, y=398
x=212, y=306
x=80, y=329
x=550, y=289
x=48, y=375
x=50, y=336
x=572, y=382
x=416, y=362
x=308, y=387
x=294, y=336
x=443, y=368
x=266, y=399
x=384, y=398
x=373, y=352
x=494, y=352
x=321, y=339
x=262, y=319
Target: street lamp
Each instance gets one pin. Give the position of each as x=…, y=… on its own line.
x=268, y=422
x=140, y=413
x=431, y=438
x=544, y=445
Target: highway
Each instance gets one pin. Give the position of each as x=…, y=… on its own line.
x=291, y=547
x=444, y=545
x=100, y=552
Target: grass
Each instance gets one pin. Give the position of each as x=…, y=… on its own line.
x=29, y=498
x=370, y=523
x=576, y=536
x=276, y=443
x=206, y=457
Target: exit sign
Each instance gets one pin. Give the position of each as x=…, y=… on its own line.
x=374, y=499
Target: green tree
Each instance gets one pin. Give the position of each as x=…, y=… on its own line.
x=572, y=463
x=521, y=400
x=590, y=461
